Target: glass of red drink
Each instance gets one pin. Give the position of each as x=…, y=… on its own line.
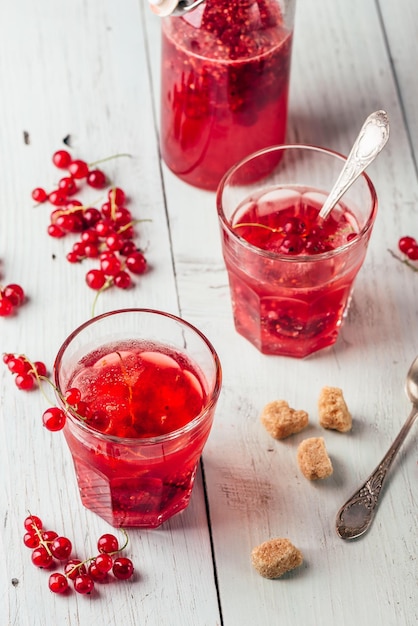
x=225, y=70
x=142, y=386
x=291, y=274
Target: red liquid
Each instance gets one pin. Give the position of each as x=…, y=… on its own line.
x=224, y=90
x=292, y=304
x=139, y=390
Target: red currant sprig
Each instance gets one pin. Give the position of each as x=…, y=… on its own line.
x=11, y=297
x=27, y=373
x=409, y=247
x=47, y=548
x=106, y=234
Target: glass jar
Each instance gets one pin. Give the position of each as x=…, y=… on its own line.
x=224, y=84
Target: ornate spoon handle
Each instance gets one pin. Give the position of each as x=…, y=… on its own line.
x=356, y=515
x=371, y=139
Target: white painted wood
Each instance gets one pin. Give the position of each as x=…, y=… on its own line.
x=91, y=70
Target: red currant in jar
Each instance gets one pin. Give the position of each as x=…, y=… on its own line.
x=123, y=568
x=58, y=583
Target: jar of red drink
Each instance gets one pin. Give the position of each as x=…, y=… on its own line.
x=224, y=82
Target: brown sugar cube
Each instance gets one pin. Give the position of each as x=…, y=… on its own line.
x=280, y=420
x=275, y=557
x=313, y=458
x=333, y=411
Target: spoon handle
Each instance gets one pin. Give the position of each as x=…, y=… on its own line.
x=356, y=515
x=371, y=139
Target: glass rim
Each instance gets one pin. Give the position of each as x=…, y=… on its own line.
x=299, y=258
x=139, y=441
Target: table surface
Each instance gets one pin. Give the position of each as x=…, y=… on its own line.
x=88, y=73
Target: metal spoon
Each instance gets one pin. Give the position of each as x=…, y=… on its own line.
x=371, y=139
x=173, y=7
x=356, y=516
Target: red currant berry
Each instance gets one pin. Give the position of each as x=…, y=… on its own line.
x=6, y=307
x=107, y=543
x=123, y=568
x=61, y=548
x=91, y=216
x=41, y=557
x=78, y=169
x=54, y=419
x=104, y=227
x=61, y=159
x=128, y=248
x=95, y=279
x=99, y=420
x=74, y=568
x=15, y=294
x=31, y=539
x=91, y=251
x=32, y=522
x=412, y=253
x=110, y=266
x=39, y=195
x=104, y=562
x=17, y=365
x=55, y=231
x=67, y=185
x=116, y=196
x=83, y=584
x=48, y=536
x=40, y=368
x=122, y=280
x=114, y=242
x=57, y=197
x=24, y=382
x=405, y=243
x=96, y=574
x=136, y=262
x=96, y=179
x=58, y=583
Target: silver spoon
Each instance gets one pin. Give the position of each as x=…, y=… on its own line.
x=371, y=139
x=163, y=8
x=356, y=515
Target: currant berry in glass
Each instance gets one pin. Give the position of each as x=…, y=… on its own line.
x=224, y=85
x=154, y=381
x=291, y=274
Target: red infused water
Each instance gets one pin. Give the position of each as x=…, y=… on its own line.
x=291, y=286
x=224, y=86
x=137, y=447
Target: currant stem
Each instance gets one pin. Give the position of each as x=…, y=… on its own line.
x=404, y=261
x=108, y=283
x=109, y=158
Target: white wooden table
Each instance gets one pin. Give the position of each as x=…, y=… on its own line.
x=90, y=71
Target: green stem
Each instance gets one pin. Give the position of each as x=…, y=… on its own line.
x=109, y=158
x=404, y=261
